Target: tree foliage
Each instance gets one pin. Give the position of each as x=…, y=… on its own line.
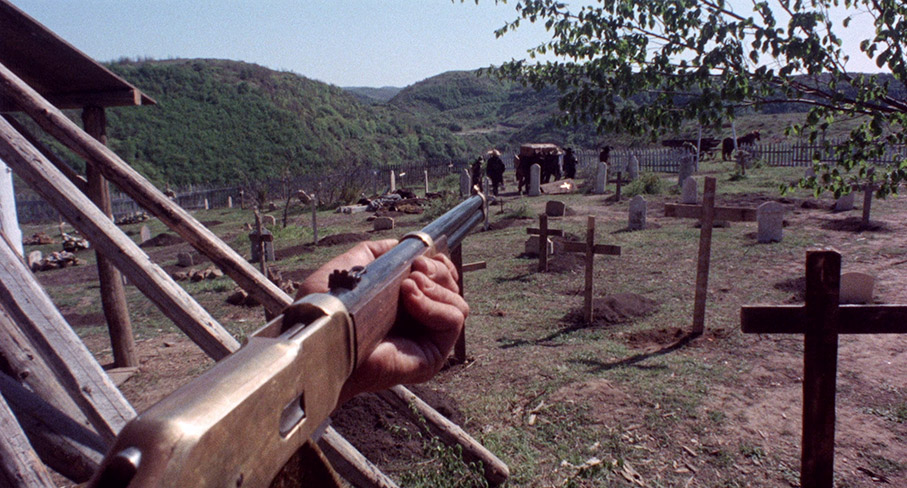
x=647, y=66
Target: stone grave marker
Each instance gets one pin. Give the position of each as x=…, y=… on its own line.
x=856, y=287
x=637, y=220
x=535, y=175
x=687, y=167
x=393, y=181
x=542, y=250
x=689, y=194
x=266, y=240
x=229, y=201
x=184, y=259
x=383, y=223
x=633, y=168
x=601, y=178
x=144, y=234
x=770, y=218
x=33, y=259
x=555, y=208
x=844, y=203
x=464, y=183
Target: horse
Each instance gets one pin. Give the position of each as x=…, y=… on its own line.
x=727, y=145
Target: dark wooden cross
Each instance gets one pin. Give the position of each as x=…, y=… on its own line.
x=820, y=321
x=590, y=249
x=456, y=256
x=544, y=232
x=618, y=181
x=707, y=213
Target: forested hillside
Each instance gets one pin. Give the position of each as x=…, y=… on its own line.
x=224, y=121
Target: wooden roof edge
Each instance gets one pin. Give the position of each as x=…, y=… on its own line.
x=129, y=95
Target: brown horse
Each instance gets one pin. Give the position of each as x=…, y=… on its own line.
x=727, y=145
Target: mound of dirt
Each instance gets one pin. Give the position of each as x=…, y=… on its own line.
x=211, y=223
x=605, y=403
x=658, y=337
x=161, y=240
x=622, y=307
x=343, y=239
x=288, y=252
x=383, y=434
x=505, y=223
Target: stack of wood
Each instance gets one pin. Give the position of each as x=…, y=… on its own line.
x=55, y=260
x=73, y=243
x=133, y=218
x=194, y=275
x=38, y=239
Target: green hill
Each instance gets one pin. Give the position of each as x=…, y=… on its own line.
x=225, y=121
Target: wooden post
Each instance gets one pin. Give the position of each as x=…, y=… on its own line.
x=705, y=251
x=543, y=243
x=456, y=256
x=113, y=293
x=315, y=218
x=820, y=361
x=19, y=465
x=590, y=254
x=617, y=191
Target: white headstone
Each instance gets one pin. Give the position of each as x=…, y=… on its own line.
x=637, y=219
x=268, y=220
x=206, y=204
x=464, y=183
x=844, y=203
x=856, y=287
x=689, y=195
x=393, y=181
x=633, y=168
x=601, y=178
x=687, y=166
x=383, y=223
x=144, y=234
x=229, y=201
x=33, y=259
x=425, y=172
x=770, y=218
x=535, y=176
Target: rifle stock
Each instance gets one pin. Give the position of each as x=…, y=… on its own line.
x=238, y=423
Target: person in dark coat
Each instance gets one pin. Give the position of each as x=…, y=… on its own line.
x=570, y=163
x=476, y=173
x=495, y=170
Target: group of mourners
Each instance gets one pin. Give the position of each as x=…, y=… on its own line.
x=552, y=166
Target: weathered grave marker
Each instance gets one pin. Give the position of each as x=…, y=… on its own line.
x=707, y=213
x=618, y=181
x=689, y=195
x=393, y=181
x=637, y=217
x=555, y=208
x=844, y=203
x=590, y=249
x=229, y=201
x=770, y=218
x=687, y=167
x=383, y=223
x=535, y=176
x=544, y=233
x=820, y=321
x=633, y=168
x=856, y=287
x=601, y=178
x=144, y=234
x=465, y=181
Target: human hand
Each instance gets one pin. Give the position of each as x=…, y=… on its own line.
x=419, y=343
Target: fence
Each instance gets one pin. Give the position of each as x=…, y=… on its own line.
x=329, y=187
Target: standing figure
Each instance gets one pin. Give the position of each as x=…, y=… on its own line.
x=605, y=154
x=569, y=163
x=495, y=170
x=477, y=174
x=521, y=173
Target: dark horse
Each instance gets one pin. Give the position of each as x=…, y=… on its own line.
x=727, y=145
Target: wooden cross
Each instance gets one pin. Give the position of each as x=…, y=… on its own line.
x=707, y=213
x=590, y=248
x=544, y=232
x=821, y=320
x=456, y=256
x=618, y=181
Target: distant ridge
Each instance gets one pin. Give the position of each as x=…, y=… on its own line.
x=373, y=95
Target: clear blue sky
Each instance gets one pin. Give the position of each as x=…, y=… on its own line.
x=346, y=43
x=343, y=42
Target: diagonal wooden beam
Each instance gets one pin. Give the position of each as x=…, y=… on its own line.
x=19, y=465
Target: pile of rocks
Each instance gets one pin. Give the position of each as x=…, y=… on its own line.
x=194, y=275
x=38, y=239
x=54, y=260
x=72, y=243
x=241, y=298
x=133, y=218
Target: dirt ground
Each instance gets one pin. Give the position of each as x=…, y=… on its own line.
x=764, y=399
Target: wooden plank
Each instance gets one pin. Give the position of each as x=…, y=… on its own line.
x=496, y=471
x=543, y=243
x=705, y=251
x=29, y=306
x=113, y=293
x=143, y=192
x=730, y=214
x=350, y=463
x=19, y=465
x=155, y=283
x=820, y=362
x=551, y=232
x=590, y=261
x=68, y=447
x=603, y=249
x=474, y=266
x=77, y=179
x=853, y=319
x=459, y=352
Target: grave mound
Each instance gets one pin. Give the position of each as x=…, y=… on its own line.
x=348, y=238
x=614, y=309
x=162, y=240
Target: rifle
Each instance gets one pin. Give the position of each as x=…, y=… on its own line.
x=240, y=422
